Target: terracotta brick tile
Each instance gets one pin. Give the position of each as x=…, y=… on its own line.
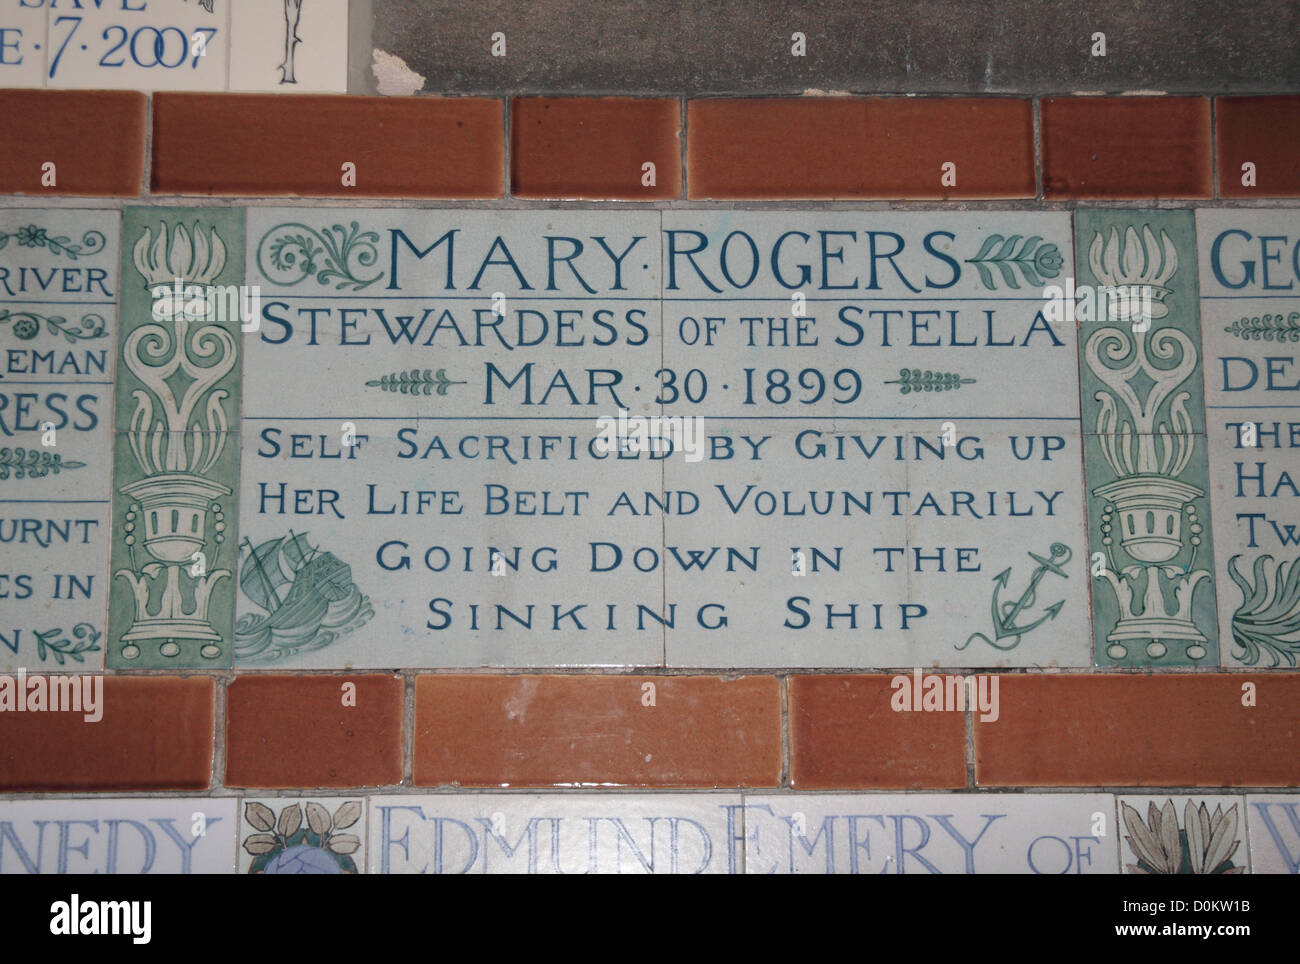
x=859, y=147
x=702, y=731
x=1126, y=147
x=578, y=147
x=1142, y=731
x=155, y=734
x=1266, y=132
x=295, y=731
x=844, y=734
x=95, y=139
x=267, y=144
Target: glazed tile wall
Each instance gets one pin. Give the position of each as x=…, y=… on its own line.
x=1094, y=516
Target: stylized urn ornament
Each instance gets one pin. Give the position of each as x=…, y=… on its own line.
x=1143, y=368
x=176, y=434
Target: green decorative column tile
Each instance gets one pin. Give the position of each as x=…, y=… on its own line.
x=1250, y=304
x=1146, y=462
x=177, y=450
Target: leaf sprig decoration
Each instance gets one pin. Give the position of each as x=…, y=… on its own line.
x=1034, y=260
x=415, y=382
x=917, y=380
x=53, y=642
x=32, y=463
x=1267, y=327
x=27, y=325
x=283, y=833
x=1268, y=619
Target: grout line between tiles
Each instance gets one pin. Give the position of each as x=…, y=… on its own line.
x=408, y=728
x=218, y=733
x=1037, y=104
x=1214, y=148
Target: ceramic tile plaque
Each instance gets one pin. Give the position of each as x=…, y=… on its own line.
x=1058, y=833
x=144, y=45
x=891, y=474
x=58, y=332
x=117, y=836
x=870, y=452
x=485, y=833
x=1250, y=311
x=422, y=477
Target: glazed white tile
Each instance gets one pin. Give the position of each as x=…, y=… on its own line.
x=108, y=835
x=149, y=45
x=260, y=32
x=22, y=45
x=1274, y=824
x=885, y=294
x=346, y=300
x=302, y=835
x=952, y=833
x=1250, y=283
x=352, y=320
x=729, y=565
x=556, y=833
x=58, y=290
x=1017, y=537
x=424, y=562
x=1233, y=816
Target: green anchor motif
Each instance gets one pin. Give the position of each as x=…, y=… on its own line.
x=1005, y=613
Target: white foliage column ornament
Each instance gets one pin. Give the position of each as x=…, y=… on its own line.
x=1147, y=501
x=177, y=432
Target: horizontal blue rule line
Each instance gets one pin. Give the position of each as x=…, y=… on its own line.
x=586, y=297
x=1295, y=294
x=1252, y=406
x=733, y=418
x=47, y=301
x=70, y=381
x=56, y=501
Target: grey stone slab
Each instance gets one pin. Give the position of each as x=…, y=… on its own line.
x=1250, y=309
x=704, y=46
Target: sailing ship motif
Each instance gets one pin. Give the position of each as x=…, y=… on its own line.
x=308, y=596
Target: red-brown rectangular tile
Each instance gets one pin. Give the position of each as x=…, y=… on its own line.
x=93, y=138
x=845, y=735
x=1126, y=147
x=594, y=731
x=1265, y=133
x=342, y=730
x=154, y=733
x=1142, y=731
x=860, y=147
x=271, y=145
x=595, y=148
